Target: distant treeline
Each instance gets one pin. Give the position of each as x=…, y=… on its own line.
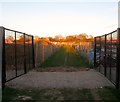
x=73, y=38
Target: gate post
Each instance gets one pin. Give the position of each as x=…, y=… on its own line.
x=25, y=70
x=105, y=57
x=118, y=58
x=2, y=61
x=33, y=54
x=95, y=52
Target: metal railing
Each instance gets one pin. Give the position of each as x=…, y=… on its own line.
x=107, y=55
x=17, y=54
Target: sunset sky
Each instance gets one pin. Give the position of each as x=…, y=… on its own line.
x=65, y=18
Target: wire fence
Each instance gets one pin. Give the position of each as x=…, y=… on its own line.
x=18, y=54
x=106, y=56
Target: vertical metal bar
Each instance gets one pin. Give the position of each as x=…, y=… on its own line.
x=24, y=56
x=3, y=58
x=95, y=52
x=33, y=52
x=118, y=58
x=29, y=50
x=105, y=58
x=15, y=55
x=100, y=53
x=110, y=54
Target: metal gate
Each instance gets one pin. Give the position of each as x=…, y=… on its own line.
x=107, y=55
x=17, y=54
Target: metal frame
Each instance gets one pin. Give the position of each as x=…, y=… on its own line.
x=105, y=57
x=33, y=52
x=100, y=51
x=110, y=55
x=118, y=59
x=15, y=55
x=25, y=71
x=3, y=60
x=117, y=76
x=4, y=70
x=95, y=52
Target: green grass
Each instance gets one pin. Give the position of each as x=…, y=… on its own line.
x=57, y=59
x=106, y=94
x=77, y=94
x=76, y=60
x=47, y=94
x=109, y=94
x=67, y=57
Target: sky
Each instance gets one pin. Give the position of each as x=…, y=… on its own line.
x=50, y=18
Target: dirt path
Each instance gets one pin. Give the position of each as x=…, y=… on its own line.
x=82, y=79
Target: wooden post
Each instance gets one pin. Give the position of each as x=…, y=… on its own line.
x=42, y=53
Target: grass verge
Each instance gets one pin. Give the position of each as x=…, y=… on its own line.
x=109, y=94
x=106, y=94
x=46, y=94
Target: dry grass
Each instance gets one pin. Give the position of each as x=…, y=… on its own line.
x=61, y=69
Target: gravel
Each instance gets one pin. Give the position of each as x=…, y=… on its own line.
x=82, y=79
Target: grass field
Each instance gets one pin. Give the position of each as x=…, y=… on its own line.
x=105, y=94
x=66, y=57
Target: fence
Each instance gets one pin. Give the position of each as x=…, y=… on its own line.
x=17, y=55
x=44, y=51
x=86, y=50
x=107, y=56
